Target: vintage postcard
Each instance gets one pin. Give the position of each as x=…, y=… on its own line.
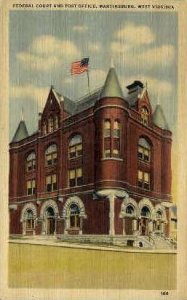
x=93, y=137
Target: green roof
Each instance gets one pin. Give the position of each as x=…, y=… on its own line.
x=112, y=87
x=159, y=118
x=21, y=132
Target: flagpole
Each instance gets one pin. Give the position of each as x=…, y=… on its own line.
x=88, y=80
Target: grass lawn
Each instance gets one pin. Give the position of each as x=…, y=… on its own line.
x=39, y=266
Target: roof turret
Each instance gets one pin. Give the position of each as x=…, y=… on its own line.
x=111, y=87
x=21, y=132
x=159, y=118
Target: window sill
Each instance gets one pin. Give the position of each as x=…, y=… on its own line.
x=74, y=158
x=112, y=158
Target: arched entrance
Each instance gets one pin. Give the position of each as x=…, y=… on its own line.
x=158, y=221
x=50, y=221
x=129, y=219
x=144, y=222
x=49, y=215
x=28, y=219
x=73, y=215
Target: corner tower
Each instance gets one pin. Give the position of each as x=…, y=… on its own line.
x=110, y=116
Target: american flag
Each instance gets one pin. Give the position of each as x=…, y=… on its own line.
x=80, y=66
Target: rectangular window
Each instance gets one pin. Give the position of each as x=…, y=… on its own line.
x=31, y=187
x=75, y=177
x=79, y=176
x=144, y=180
x=107, y=128
x=51, y=183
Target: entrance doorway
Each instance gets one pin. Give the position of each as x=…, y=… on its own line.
x=144, y=226
x=128, y=225
x=50, y=221
x=144, y=222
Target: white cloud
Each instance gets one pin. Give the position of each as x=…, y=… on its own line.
x=119, y=48
x=158, y=57
x=50, y=45
x=38, y=94
x=38, y=63
x=135, y=35
x=94, y=47
x=80, y=28
x=47, y=52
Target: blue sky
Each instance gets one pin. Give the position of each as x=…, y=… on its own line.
x=43, y=44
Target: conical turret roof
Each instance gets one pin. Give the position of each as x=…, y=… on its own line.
x=111, y=87
x=21, y=132
x=159, y=118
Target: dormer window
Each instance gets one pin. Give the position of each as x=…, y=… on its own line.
x=50, y=124
x=144, y=113
x=56, y=124
x=44, y=128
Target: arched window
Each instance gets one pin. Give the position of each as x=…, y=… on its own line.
x=144, y=150
x=144, y=115
x=74, y=216
x=51, y=155
x=130, y=210
x=50, y=124
x=75, y=146
x=145, y=212
x=116, y=138
x=29, y=217
x=31, y=161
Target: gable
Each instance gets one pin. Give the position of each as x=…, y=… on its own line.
x=144, y=101
x=52, y=105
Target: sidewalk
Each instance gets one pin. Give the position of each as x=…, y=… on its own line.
x=58, y=243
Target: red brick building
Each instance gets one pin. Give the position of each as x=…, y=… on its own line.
x=99, y=165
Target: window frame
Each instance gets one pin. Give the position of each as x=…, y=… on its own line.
x=29, y=222
x=32, y=189
x=53, y=154
x=144, y=114
x=76, y=147
x=142, y=183
x=31, y=161
x=75, y=217
x=50, y=184
x=76, y=180
x=144, y=150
